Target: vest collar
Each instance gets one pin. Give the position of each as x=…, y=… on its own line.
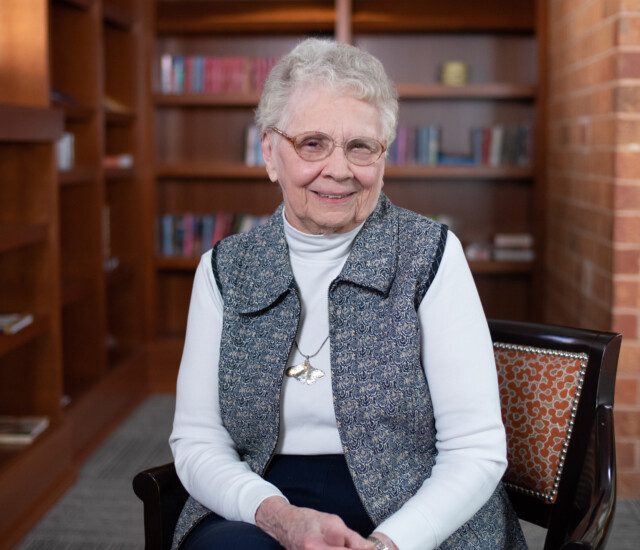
x=266, y=271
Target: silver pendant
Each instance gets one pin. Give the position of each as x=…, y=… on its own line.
x=304, y=373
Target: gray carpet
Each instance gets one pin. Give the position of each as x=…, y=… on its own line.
x=101, y=511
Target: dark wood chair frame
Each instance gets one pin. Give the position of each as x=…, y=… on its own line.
x=580, y=517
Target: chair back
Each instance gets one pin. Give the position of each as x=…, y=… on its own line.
x=556, y=391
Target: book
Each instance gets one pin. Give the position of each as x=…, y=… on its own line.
x=513, y=254
x=513, y=240
x=10, y=323
x=21, y=430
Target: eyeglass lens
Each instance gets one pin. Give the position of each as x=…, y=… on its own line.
x=317, y=146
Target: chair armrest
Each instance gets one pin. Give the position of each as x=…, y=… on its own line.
x=163, y=496
x=592, y=530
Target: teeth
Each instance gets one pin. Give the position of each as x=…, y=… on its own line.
x=331, y=196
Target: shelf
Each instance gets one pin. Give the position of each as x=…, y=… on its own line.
x=474, y=172
x=176, y=263
x=406, y=91
x=119, y=117
x=179, y=263
x=497, y=268
x=211, y=170
x=82, y=4
x=29, y=124
x=489, y=91
x=257, y=17
x=77, y=176
x=117, y=17
x=75, y=113
x=15, y=235
x=437, y=16
x=118, y=173
x=10, y=342
x=249, y=99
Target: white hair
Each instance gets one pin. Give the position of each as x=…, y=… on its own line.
x=325, y=63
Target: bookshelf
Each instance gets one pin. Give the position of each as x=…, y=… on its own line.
x=199, y=136
x=81, y=361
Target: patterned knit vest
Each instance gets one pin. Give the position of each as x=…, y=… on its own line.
x=381, y=398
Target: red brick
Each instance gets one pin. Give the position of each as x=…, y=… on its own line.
x=629, y=361
x=626, y=262
x=626, y=229
x=627, y=99
x=627, y=197
x=626, y=455
x=628, y=30
x=626, y=391
x=627, y=324
x=627, y=423
x=603, y=132
x=600, y=163
x=601, y=101
x=628, y=485
x=629, y=65
x=627, y=164
x=626, y=294
x=627, y=132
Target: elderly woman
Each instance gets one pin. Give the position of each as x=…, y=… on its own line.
x=337, y=387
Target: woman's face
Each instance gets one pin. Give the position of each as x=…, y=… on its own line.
x=330, y=195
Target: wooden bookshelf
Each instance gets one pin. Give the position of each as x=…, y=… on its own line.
x=81, y=54
x=199, y=171
x=10, y=342
x=78, y=175
x=274, y=17
x=180, y=263
x=15, y=235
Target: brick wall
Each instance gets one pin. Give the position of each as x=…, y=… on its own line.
x=592, y=264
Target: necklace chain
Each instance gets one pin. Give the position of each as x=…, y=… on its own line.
x=307, y=357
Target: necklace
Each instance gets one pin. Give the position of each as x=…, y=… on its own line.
x=305, y=372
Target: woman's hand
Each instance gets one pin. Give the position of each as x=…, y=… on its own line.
x=306, y=529
x=384, y=538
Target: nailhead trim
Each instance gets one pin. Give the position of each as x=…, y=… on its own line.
x=550, y=496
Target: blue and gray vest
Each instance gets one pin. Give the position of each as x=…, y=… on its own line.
x=382, y=403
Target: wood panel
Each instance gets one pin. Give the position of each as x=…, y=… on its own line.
x=24, y=78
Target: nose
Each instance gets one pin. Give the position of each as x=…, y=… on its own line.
x=336, y=165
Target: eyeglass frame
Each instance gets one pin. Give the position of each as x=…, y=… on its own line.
x=291, y=139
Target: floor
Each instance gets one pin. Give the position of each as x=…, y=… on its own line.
x=101, y=512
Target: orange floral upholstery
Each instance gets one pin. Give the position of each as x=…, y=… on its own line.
x=539, y=392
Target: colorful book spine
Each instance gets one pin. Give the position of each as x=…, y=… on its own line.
x=213, y=74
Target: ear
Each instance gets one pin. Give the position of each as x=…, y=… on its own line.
x=267, y=155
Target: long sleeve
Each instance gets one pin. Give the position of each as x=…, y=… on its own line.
x=459, y=364
x=204, y=453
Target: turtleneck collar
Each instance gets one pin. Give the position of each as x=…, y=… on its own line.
x=318, y=248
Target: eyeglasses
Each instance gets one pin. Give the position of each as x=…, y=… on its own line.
x=314, y=146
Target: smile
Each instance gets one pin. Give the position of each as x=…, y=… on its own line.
x=333, y=196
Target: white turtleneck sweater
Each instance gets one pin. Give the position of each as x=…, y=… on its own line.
x=457, y=356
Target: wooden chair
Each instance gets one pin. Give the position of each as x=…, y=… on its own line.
x=556, y=388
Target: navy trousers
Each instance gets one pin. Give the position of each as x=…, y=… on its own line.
x=319, y=482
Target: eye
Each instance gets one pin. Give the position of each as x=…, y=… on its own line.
x=363, y=145
x=313, y=143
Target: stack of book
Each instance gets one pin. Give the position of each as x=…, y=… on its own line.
x=253, y=147
x=501, y=145
x=513, y=247
x=191, y=235
x=11, y=323
x=21, y=430
x=415, y=145
x=211, y=74
x=65, y=151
